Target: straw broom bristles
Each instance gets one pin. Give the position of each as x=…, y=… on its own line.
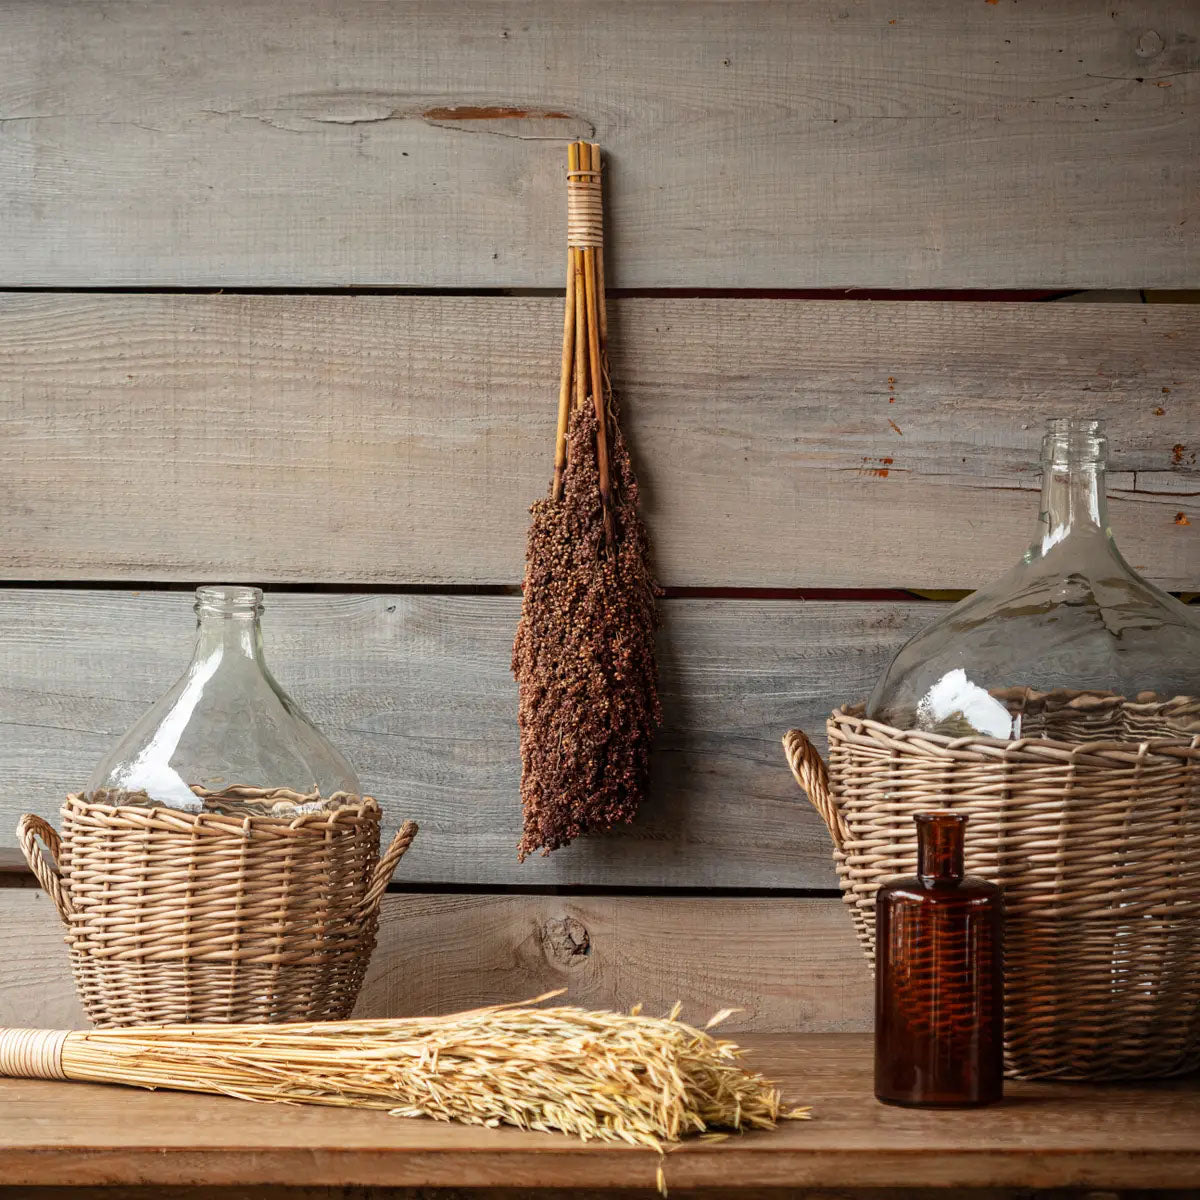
x=598, y=1075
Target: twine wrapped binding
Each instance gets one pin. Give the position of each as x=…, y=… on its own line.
x=1096, y=844
x=209, y=917
x=585, y=210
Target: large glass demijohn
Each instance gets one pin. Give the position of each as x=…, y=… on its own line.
x=226, y=737
x=1071, y=629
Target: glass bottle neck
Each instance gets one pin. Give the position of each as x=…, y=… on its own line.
x=229, y=637
x=228, y=629
x=940, y=847
x=1074, y=505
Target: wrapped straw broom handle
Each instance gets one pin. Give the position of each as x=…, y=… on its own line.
x=30, y=829
x=33, y=1053
x=813, y=776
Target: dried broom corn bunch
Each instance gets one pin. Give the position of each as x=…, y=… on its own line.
x=597, y=1075
x=584, y=650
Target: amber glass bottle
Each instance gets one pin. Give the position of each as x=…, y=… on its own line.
x=939, y=1003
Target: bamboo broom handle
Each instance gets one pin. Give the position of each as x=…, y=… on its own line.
x=590, y=160
x=601, y=301
x=589, y=262
x=568, y=356
x=580, y=233
x=581, y=379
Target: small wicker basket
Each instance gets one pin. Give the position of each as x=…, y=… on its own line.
x=1096, y=844
x=180, y=917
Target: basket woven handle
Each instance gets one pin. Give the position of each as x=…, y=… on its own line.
x=812, y=775
x=387, y=864
x=29, y=829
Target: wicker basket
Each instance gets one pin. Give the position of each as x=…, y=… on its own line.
x=1097, y=846
x=173, y=916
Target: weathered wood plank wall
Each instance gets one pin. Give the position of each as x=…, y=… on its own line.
x=399, y=440
x=776, y=144
x=785, y=963
x=417, y=691
x=359, y=452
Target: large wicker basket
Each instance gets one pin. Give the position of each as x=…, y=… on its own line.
x=1097, y=846
x=179, y=917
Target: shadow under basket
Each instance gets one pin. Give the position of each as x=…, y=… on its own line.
x=206, y=917
x=1096, y=844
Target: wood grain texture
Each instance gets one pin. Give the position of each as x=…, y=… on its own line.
x=400, y=440
x=1046, y=1135
x=780, y=144
x=786, y=964
x=416, y=690
x=270, y=1192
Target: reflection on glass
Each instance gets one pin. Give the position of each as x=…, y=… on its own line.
x=226, y=737
x=1071, y=638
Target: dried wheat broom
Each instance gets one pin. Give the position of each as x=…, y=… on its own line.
x=584, y=651
x=598, y=1075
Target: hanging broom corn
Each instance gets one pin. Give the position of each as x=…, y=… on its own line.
x=598, y=1075
x=584, y=650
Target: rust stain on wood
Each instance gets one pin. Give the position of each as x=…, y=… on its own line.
x=879, y=472
x=473, y=112
x=1181, y=519
x=895, y=427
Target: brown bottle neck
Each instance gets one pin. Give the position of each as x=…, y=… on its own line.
x=940, y=848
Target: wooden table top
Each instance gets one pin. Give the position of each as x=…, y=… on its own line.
x=1043, y=1135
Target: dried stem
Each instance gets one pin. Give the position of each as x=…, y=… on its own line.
x=598, y=396
x=589, y=159
x=602, y=1076
x=581, y=381
x=601, y=302
x=568, y=355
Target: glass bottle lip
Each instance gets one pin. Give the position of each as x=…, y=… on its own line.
x=941, y=818
x=228, y=600
x=1071, y=441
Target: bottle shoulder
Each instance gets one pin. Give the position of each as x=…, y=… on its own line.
x=910, y=890
x=1061, y=624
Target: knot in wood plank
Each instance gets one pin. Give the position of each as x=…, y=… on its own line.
x=566, y=940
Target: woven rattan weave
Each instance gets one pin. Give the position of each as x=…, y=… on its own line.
x=1097, y=846
x=180, y=917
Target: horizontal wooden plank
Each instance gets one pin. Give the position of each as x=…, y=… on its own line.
x=14, y=872
x=400, y=440
x=335, y=1192
x=1047, y=1135
x=782, y=144
x=269, y=1192
x=784, y=963
x=417, y=691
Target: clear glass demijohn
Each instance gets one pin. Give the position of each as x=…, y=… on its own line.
x=226, y=737
x=1071, y=634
